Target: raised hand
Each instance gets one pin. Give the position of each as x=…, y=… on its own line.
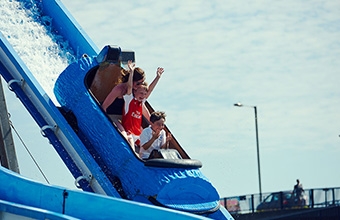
x=156, y=134
x=131, y=66
x=160, y=71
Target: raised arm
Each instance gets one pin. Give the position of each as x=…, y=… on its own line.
x=119, y=90
x=130, y=80
x=146, y=112
x=155, y=135
x=153, y=84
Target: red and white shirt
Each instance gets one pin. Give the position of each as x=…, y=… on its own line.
x=132, y=115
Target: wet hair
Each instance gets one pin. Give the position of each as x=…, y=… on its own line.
x=157, y=115
x=138, y=74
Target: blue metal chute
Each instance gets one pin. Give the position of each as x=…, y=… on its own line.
x=21, y=197
x=65, y=25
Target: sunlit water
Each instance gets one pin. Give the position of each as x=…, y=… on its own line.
x=46, y=55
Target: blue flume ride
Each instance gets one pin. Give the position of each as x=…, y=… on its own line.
x=97, y=155
x=167, y=182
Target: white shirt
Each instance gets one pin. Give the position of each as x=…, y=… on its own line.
x=145, y=137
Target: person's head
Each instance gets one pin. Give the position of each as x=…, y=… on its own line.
x=157, y=120
x=138, y=77
x=141, y=91
x=297, y=181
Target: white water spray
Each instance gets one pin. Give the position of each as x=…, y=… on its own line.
x=45, y=54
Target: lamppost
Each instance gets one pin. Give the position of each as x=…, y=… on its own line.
x=257, y=144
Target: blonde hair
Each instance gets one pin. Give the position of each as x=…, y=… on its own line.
x=145, y=86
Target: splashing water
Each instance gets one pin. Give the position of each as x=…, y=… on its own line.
x=45, y=54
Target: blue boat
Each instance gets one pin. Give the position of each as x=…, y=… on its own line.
x=171, y=181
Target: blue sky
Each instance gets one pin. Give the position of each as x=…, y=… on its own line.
x=281, y=56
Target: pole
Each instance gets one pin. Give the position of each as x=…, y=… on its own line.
x=8, y=157
x=258, y=153
x=257, y=145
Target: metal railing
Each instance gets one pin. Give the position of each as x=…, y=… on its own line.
x=282, y=200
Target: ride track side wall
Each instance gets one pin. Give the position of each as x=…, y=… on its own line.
x=28, y=198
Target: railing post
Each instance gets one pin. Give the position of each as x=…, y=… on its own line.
x=326, y=202
x=311, y=198
x=252, y=203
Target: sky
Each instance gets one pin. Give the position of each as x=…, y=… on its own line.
x=280, y=56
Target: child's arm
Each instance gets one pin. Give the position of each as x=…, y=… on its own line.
x=146, y=112
x=153, y=84
x=130, y=80
x=148, y=144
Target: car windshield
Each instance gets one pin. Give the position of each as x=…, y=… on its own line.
x=268, y=199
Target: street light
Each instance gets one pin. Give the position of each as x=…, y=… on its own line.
x=257, y=144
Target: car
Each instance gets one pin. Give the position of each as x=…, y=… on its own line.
x=282, y=200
